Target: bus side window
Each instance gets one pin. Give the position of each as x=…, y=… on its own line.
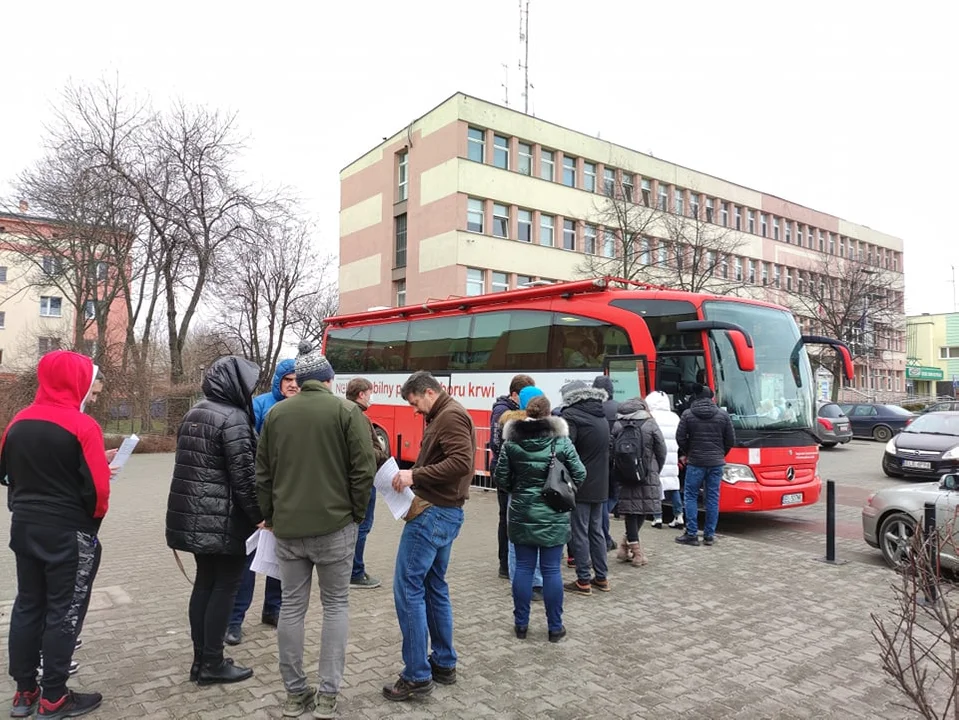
x=387, y=348
x=438, y=344
x=346, y=348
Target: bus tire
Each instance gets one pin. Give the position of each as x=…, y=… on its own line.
x=383, y=438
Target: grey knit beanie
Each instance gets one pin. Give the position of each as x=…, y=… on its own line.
x=312, y=364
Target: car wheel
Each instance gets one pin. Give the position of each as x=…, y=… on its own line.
x=881, y=433
x=829, y=444
x=895, y=539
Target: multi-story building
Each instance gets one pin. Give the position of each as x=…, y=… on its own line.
x=932, y=347
x=36, y=317
x=475, y=198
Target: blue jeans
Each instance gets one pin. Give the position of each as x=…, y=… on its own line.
x=272, y=597
x=537, y=574
x=697, y=477
x=359, y=569
x=547, y=558
x=420, y=592
x=675, y=499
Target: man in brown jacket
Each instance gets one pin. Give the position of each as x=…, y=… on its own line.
x=440, y=479
x=360, y=391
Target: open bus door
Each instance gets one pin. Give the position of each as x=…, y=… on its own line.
x=630, y=375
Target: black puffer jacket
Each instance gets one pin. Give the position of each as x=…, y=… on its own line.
x=212, y=508
x=705, y=434
x=610, y=406
x=589, y=431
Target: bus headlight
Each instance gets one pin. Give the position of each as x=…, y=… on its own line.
x=737, y=473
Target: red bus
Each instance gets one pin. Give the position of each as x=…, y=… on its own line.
x=644, y=337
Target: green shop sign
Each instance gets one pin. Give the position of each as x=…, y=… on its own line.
x=924, y=373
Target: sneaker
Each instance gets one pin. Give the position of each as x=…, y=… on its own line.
x=571, y=562
x=24, y=703
x=601, y=585
x=658, y=523
x=687, y=539
x=298, y=703
x=578, y=589
x=537, y=594
x=270, y=619
x=611, y=545
x=365, y=581
x=555, y=637
x=233, y=636
x=324, y=706
x=442, y=675
x=78, y=644
x=70, y=705
x=72, y=670
x=709, y=539
x=403, y=689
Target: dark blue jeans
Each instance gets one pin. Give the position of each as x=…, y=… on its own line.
x=549, y=559
x=697, y=477
x=359, y=569
x=420, y=592
x=272, y=597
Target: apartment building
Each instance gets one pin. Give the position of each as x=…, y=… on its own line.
x=474, y=198
x=36, y=317
x=932, y=344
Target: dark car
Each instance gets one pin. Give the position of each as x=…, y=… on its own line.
x=929, y=447
x=832, y=426
x=876, y=420
x=943, y=406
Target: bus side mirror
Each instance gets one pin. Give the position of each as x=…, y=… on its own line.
x=739, y=338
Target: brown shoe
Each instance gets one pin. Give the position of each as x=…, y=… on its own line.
x=601, y=585
x=577, y=589
x=636, y=554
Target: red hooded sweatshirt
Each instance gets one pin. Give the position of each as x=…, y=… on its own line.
x=51, y=453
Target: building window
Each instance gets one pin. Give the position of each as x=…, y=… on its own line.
x=569, y=171
x=476, y=145
x=475, y=281
x=569, y=234
x=694, y=205
x=739, y=269
x=546, y=165
x=628, y=186
x=662, y=253
x=647, y=190
x=402, y=176
x=400, y=292
x=546, y=223
x=789, y=232
x=764, y=224
x=842, y=246
x=499, y=282
x=51, y=265
x=523, y=280
x=3, y=273
x=609, y=243
x=90, y=310
x=663, y=198
x=501, y=152
x=776, y=228
x=644, y=250
x=474, y=215
x=679, y=199
x=500, y=220
x=800, y=282
x=524, y=225
x=609, y=181
x=751, y=217
x=709, y=210
x=399, y=240
x=724, y=214
x=51, y=306
x=751, y=271
x=525, y=165
x=47, y=344
x=3, y=319
x=739, y=218
x=832, y=242
x=789, y=279
x=589, y=176
x=589, y=239
x=777, y=276
x=724, y=267
x=809, y=236
x=765, y=273
x=949, y=353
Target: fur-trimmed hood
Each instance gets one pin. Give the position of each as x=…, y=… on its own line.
x=512, y=415
x=578, y=394
x=633, y=409
x=548, y=427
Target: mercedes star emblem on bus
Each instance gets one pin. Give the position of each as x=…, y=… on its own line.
x=790, y=473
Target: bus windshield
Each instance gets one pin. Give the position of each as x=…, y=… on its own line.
x=767, y=398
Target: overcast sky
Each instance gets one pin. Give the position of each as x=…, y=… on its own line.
x=846, y=106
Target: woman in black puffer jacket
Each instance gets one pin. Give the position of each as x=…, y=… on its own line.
x=212, y=508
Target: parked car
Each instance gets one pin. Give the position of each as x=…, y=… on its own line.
x=890, y=518
x=832, y=425
x=876, y=420
x=929, y=447
x=944, y=406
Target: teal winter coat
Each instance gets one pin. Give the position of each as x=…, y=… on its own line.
x=521, y=471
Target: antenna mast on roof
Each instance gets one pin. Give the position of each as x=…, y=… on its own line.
x=505, y=84
x=524, y=50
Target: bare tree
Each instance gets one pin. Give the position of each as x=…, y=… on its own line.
x=854, y=301
x=702, y=256
x=308, y=316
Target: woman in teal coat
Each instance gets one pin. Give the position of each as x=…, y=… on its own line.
x=534, y=528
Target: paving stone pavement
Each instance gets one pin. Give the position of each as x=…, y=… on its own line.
x=741, y=630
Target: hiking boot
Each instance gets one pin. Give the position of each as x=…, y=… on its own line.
x=222, y=672
x=403, y=689
x=442, y=675
x=24, y=703
x=687, y=539
x=234, y=636
x=623, y=554
x=70, y=705
x=577, y=588
x=324, y=706
x=298, y=703
x=537, y=594
x=678, y=521
x=555, y=637
x=270, y=619
x=364, y=581
x=601, y=585
x=709, y=539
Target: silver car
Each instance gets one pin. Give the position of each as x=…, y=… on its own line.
x=890, y=518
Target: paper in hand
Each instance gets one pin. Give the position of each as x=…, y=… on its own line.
x=398, y=502
x=124, y=452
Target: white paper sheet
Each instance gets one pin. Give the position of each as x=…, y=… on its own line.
x=398, y=502
x=264, y=562
x=252, y=541
x=124, y=452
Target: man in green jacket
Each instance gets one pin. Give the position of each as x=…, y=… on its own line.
x=314, y=473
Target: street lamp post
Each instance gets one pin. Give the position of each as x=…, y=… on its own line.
x=865, y=322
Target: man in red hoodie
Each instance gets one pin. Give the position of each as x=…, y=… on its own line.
x=58, y=504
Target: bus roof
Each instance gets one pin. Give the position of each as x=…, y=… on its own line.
x=612, y=286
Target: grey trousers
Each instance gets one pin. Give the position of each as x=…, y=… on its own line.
x=332, y=556
x=588, y=541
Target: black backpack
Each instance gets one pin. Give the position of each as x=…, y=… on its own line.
x=628, y=453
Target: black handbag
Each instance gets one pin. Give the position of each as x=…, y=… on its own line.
x=558, y=491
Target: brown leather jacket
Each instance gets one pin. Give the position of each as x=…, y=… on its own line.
x=444, y=467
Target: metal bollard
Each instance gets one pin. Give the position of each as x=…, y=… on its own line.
x=931, y=539
x=399, y=449
x=830, y=558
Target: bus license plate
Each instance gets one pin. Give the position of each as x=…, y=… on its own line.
x=917, y=464
x=792, y=498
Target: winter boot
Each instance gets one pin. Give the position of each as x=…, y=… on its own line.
x=637, y=556
x=622, y=553
x=678, y=521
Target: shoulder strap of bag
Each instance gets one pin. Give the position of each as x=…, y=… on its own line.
x=552, y=449
x=176, y=556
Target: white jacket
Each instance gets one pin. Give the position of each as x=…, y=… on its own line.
x=668, y=421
